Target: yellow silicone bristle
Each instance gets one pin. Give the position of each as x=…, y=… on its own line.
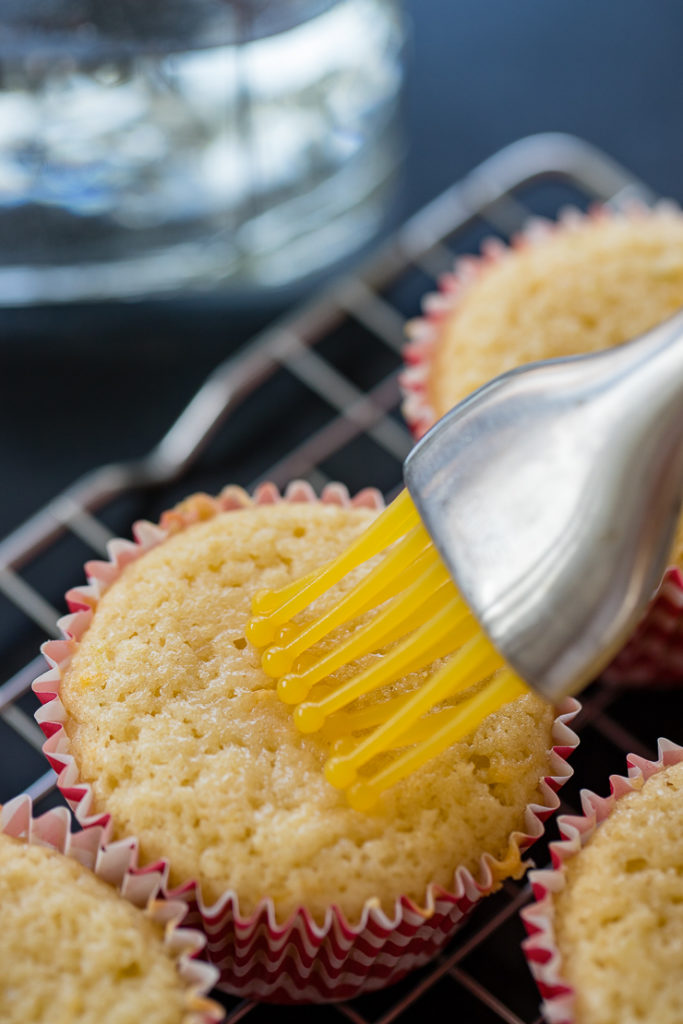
x=395, y=619
x=475, y=661
x=363, y=794
x=282, y=605
x=338, y=728
x=414, y=652
x=342, y=722
x=418, y=619
x=408, y=554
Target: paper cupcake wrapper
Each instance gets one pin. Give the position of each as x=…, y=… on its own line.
x=540, y=947
x=655, y=653
x=115, y=864
x=257, y=955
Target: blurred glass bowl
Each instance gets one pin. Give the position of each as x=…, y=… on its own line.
x=154, y=148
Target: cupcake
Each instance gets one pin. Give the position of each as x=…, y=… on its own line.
x=72, y=948
x=163, y=726
x=606, y=935
x=584, y=284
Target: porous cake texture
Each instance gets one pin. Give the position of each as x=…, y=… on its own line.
x=619, y=919
x=73, y=950
x=186, y=744
x=588, y=285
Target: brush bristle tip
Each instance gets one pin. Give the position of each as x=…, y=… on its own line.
x=259, y=631
x=361, y=797
x=309, y=718
x=339, y=773
x=276, y=662
x=292, y=690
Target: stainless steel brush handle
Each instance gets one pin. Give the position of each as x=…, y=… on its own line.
x=553, y=494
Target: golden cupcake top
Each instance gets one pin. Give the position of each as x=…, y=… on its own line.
x=186, y=744
x=587, y=284
x=619, y=919
x=72, y=949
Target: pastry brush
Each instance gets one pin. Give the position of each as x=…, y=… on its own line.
x=533, y=530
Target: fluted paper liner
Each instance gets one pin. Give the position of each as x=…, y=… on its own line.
x=259, y=956
x=540, y=947
x=114, y=863
x=655, y=653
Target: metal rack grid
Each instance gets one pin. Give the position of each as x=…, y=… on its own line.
x=321, y=386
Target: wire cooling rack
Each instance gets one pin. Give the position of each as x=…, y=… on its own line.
x=315, y=396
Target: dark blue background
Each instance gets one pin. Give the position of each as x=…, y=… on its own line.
x=481, y=74
x=486, y=72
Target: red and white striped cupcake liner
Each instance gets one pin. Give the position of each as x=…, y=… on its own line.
x=655, y=652
x=257, y=955
x=115, y=864
x=576, y=831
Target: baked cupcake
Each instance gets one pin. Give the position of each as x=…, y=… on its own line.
x=72, y=949
x=584, y=284
x=581, y=285
x=162, y=724
x=606, y=935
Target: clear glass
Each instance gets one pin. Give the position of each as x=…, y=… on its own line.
x=150, y=147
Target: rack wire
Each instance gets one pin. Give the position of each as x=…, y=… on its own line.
x=320, y=386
